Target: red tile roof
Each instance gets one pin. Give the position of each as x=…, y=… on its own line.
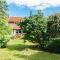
x=12, y=22
x=15, y=19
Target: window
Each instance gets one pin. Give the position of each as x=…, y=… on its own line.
x=18, y=31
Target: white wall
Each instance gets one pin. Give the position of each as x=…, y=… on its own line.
x=13, y=32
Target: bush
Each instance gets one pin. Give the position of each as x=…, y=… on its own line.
x=54, y=45
x=53, y=31
x=4, y=28
x=3, y=40
x=5, y=32
x=34, y=27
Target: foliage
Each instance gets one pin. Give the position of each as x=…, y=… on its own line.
x=53, y=32
x=45, y=32
x=53, y=25
x=3, y=8
x=4, y=28
x=34, y=27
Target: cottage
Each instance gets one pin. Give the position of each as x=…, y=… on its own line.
x=13, y=24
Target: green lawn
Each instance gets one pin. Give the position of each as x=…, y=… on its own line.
x=17, y=50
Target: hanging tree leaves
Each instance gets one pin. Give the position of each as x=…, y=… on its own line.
x=4, y=28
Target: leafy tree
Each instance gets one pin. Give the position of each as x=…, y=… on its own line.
x=4, y=28
x=34, y=27
x=53, y=32
x=3, y=8
x=53, y=25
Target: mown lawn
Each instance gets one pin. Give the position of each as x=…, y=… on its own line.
x=17, y=50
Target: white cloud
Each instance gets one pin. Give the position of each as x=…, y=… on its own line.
x=35, y=4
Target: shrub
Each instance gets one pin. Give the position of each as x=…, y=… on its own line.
x=34, y=28
x=4, y=36
x=53, y=45
x=4, y=28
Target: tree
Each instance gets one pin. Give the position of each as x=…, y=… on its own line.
x=34, y=27
x=53, y=25
x=4, y=28
x=53, y=32
x=3, y=8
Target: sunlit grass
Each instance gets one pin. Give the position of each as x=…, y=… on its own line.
x=17, y=50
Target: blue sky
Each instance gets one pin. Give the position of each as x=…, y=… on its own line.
x=18, y=11
x=22, y=10
x=51, y=10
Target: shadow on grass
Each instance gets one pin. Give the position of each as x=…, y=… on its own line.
x=20, y=47
x=39, y=56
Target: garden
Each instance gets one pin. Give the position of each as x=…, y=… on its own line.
x=40, y=37
x=17, y=50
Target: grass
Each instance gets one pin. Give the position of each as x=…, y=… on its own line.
x=17, y=50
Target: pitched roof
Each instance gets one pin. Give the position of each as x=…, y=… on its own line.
x=15, y=19
x=12, y=22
